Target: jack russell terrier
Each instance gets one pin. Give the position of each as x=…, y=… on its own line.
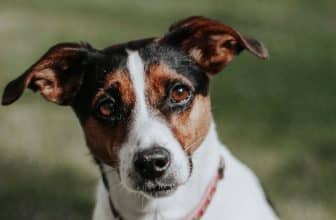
x=145, y=110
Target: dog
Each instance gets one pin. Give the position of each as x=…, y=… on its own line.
x=145, y=110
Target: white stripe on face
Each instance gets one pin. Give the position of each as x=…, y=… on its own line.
x=137, y=73
x=147, y=131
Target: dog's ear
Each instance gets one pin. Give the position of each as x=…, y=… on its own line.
x=210, y=43
x=56, y=75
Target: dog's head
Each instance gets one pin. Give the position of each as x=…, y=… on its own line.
x=144, y=105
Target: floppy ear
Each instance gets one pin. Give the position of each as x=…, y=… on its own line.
x=57, y=75
x=210, y=43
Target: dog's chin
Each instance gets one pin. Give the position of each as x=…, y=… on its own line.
x=156, y=190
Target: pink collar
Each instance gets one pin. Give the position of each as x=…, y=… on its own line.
x=200, y=209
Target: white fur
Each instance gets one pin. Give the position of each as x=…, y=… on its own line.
x=239, y=195
x=147, y=131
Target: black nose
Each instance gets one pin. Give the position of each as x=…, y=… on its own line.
x=152, y=163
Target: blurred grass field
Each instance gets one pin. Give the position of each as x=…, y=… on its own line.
x=278, y=116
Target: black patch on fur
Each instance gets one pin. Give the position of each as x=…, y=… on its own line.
x=179, y=61
x=97, y=66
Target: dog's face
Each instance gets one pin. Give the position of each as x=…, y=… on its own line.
x=143, y=105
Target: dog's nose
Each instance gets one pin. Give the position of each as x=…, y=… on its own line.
x=152, y=163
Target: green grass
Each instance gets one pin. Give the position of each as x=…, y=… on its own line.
x=278, y=116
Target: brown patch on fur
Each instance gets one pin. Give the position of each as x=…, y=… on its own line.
x=191, y=126
x=214, y=56
x=122, y=82
x=56, y=75
x=212, y=44
x=105, y=140
x=157, y=80
x=52, y=88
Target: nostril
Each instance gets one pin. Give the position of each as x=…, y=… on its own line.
x=152, y=163
x=139, y=162
x=161, y=164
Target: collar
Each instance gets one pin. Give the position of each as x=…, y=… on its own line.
x=197, y=212
x=200, y=209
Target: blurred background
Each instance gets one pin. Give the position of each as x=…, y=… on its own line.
x=278, y=116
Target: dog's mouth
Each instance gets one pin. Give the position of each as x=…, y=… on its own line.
x=156, y=189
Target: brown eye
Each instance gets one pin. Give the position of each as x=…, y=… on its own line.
x=180, y=94
x=106, y=107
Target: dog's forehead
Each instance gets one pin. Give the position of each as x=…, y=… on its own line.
x=152, y=53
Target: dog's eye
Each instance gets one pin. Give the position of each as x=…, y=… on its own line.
x=180, y=93
x=106, y=107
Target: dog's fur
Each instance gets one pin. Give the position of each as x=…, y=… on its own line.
x=146, y=94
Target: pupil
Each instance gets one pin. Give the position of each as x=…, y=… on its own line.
x=180, y=93
x=108, y=104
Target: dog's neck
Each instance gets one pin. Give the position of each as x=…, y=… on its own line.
x=132, y=205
